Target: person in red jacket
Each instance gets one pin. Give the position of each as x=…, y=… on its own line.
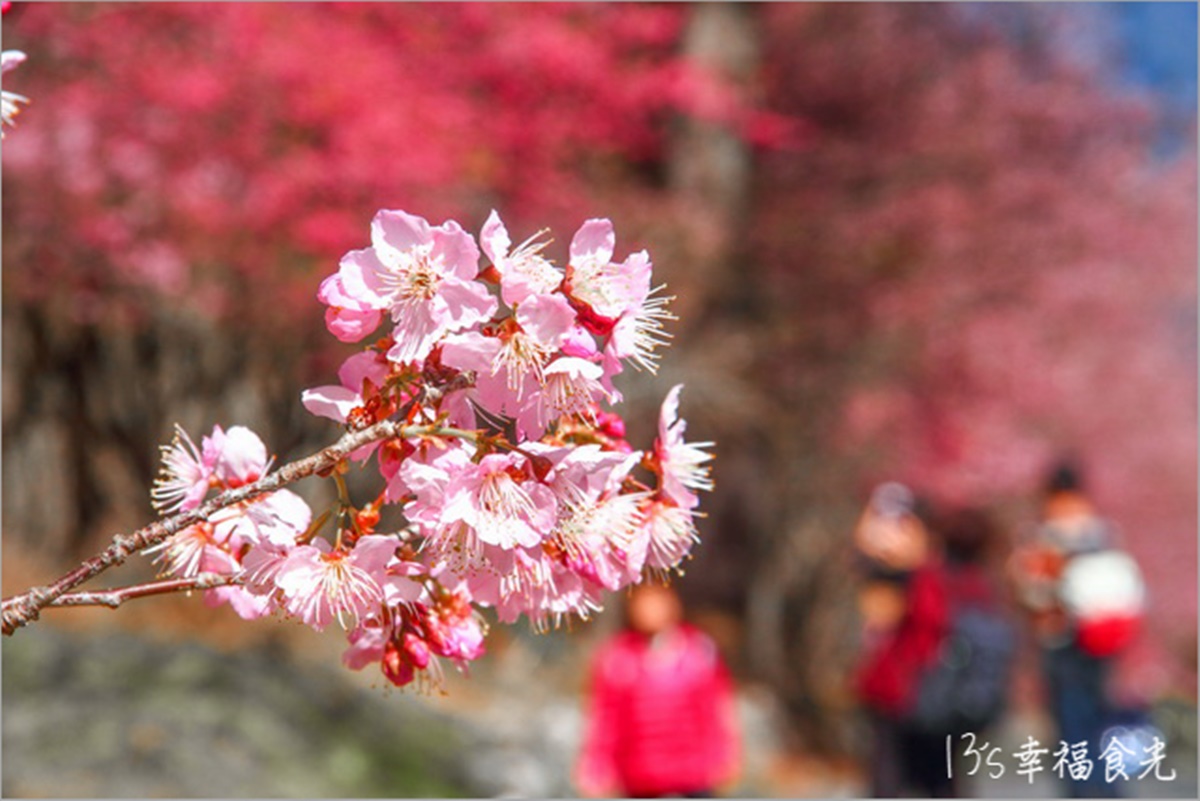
x=947, y=573
x=662, y=719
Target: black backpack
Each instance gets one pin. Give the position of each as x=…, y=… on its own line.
x=965, y=688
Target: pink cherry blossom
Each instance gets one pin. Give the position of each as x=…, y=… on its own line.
x=245, y=604
x=606, y=289
x=616, y=300
x=426, y=475
x=363, y=369
x=454, y=629
x=473, y=351
x=238, y=456
x=597, y=522
x=401, y=582
x=610, y=429
x=523, y=271
x=423, y=276
x=367, y=642
x=320, y=584
x=184, y=478
x=590, y=273
x=347, y=318
x=261, y=566
x=403, y=657
x=541, y=323
x=490, y=394
x=405, y=643
x=184, y=553
x=547, y=593
x=524, y=581
x=667, y=535
x=637, y=333
x=500, y=502
x=601, y=536
x=580, y=344
x=511, y=364
x=570, y=387
x=228, y=459
x=225, y=460
x=681, y=464
x=278, y=517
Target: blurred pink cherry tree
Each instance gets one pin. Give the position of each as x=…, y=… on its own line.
x=975, y=266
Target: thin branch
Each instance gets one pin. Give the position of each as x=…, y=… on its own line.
x=20, y=610
x=115, y=597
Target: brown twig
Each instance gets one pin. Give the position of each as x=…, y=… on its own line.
x=119, y=595
x=20, y=610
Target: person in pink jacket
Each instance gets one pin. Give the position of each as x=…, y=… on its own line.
x=662, y=720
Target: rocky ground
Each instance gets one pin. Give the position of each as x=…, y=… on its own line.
x=107, y=713
x=119, y=715
x=126, y=717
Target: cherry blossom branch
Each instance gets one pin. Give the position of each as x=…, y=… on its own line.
x=115, y=597
x=22, y=609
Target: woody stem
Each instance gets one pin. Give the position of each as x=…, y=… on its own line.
x=115, y=597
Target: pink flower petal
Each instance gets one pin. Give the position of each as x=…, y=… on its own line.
x=548, y=318
x=494, y=238
x=359, y=274
x=464, y=303
x=594, y=241
x=470, y=351
x=457, y=249
x=351, y=326
x=394, y=232
x=336, y=403
x=367, y=365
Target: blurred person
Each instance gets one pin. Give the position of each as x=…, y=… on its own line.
x=891, y=540
x=901, y=624
x=966, y=686
x=1084, y=598
x=662, y=718
x=942, y=666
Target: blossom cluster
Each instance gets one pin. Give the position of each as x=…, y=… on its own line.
x=516, y=485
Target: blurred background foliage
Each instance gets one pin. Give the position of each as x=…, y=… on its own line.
x=932, y=242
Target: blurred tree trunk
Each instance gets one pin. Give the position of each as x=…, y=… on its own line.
x=88, y=403
x=710, y=166
x=771, y=544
